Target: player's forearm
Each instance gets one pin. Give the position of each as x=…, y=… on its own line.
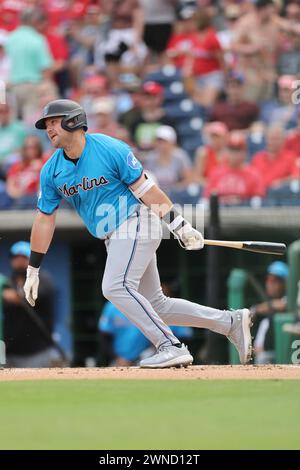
x=157, y=200
x=42, y=232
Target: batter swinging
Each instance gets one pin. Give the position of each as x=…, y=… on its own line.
x=102, y=179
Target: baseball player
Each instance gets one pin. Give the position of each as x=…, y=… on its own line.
x=103, y=180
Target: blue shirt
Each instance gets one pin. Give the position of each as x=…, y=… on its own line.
x=97, y=186
x=128, y=341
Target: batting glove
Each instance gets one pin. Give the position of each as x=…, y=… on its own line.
x=188, y=237
x=31, y=285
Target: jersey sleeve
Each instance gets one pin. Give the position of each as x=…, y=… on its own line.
x=49, y=198
x=129, y=168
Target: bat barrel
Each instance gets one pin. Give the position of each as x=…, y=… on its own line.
x=265, y=247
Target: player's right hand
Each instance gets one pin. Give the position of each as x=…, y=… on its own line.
x=31, y=285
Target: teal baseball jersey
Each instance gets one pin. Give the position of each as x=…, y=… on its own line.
x=96, y=184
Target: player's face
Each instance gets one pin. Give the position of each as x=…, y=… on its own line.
x=58, y=136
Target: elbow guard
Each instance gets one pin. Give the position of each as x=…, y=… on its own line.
x=144, y=187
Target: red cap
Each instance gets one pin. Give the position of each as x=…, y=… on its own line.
x=237, y=140
x=152, y=88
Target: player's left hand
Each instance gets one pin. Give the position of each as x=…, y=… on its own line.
x=190, y=237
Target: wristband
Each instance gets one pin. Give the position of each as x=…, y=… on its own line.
x=35, y=259
x=174, y=220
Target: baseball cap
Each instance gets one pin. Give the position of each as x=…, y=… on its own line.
x=217, y=128
x=152, y=88
x=20, y=248
x=166, y=133
x=237, y=140
x=103, y=105
x=279, y=269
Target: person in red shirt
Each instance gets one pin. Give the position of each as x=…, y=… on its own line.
x=181, y=41
x=235, y=181
x=276, y=163
x=203, y=67
x=210, y=156
x=292, y=141
x=23, y=176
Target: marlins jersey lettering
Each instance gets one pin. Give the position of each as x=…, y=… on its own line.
x=96, y=186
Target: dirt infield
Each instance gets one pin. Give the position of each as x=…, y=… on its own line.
x=273, y=372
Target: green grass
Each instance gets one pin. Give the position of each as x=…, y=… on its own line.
x=191, y=414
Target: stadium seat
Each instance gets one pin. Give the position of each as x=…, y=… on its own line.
x=165, y=76
x=288, y=194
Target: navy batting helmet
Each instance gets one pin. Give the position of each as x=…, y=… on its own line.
x=73, y=114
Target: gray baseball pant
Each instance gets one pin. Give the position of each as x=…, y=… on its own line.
x=131, y=282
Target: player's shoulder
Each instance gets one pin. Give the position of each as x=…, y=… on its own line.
x=105, y=142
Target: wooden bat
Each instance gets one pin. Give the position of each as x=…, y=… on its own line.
x=257, y=247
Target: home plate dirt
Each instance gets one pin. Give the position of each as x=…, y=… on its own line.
x=273, y=372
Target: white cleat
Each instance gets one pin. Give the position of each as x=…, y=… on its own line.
x=168, y=356
x=240, y=334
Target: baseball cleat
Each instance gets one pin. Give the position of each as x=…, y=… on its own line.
x=168, y=356
x=240, y=334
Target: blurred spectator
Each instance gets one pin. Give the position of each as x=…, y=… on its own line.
x=81, y=35
x=213, y=153
x=10, y=14
x=5, y=65
x=276, y=163
x=276, y=301
x=59, y=50
x=12, y=133
x=93, y=87
x=281, y=111
x=181, y=41
x=23, y=176
x=149, y=117
x=120, y=48
x=292, y=142
x=232, y=12
x=235, y=111
x=256, y=41
x=122, y=343
x=158, y=20
x=104, y=120
x=170, y=165
x=203, y=67
x=26, y=345
x=234, y=181
x=31, y=60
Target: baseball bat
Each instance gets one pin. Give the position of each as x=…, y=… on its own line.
x=256, y=247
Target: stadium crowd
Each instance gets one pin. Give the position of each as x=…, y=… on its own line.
x=206, y=92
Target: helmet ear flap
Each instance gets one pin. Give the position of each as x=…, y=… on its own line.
x=74, y=120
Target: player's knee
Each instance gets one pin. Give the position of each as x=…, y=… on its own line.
x=111, y=290
x=160, y=304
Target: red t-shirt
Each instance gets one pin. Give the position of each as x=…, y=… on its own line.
x=240, y=183
x=273, y=170
x=57, y=45
x=205, y=51
x=211, y=161
x=180, y=43
x=60, y=11
x=27, y=175
x=292, y=143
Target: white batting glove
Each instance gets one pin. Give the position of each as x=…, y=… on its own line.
x=31, y=285
x=190, y=237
